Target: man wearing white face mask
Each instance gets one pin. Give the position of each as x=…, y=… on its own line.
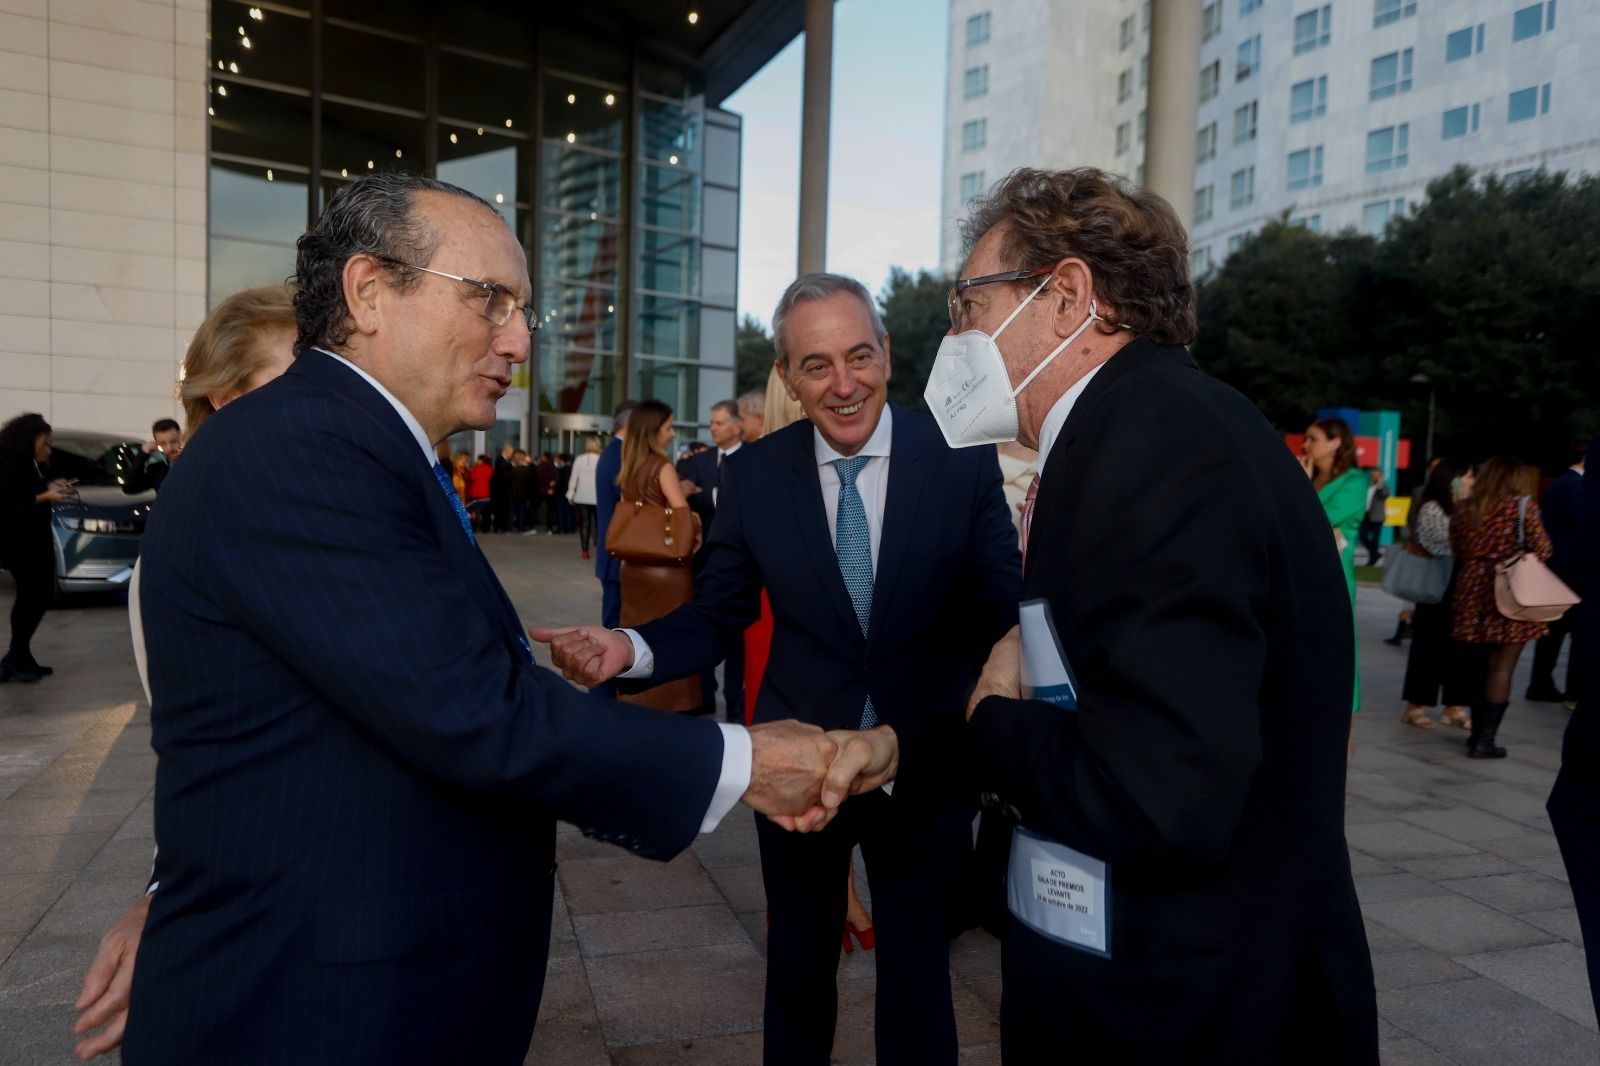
x=1168, y=722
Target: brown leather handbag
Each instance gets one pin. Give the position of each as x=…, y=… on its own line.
x=649, y=534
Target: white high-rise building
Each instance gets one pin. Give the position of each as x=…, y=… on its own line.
x=1337, y=113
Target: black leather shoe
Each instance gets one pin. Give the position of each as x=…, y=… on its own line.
x=1544, y=694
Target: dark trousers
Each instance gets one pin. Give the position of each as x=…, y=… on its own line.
x=499, y=512
x=1575, y=816
x=1368, y=535
x=585, y=519
x=34, y=579
x=519, y=515
x=1436, y=662
x=912, y=863
x=545, y=513
x=1548, y=650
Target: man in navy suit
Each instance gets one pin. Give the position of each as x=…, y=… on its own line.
x=360, y=766
x=891, y=565
x=606, y=497
x=1560, y=509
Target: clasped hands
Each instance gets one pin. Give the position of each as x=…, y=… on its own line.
x=799, y=774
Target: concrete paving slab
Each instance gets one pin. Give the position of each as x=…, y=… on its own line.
x=1455, y=925
x=1551, y=974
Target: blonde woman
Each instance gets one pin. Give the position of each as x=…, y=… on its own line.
x=581, y=492
x=244, y=343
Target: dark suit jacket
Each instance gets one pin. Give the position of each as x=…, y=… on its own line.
x=1561, y=510
x=1188, y=568
x=359, y=768
x=702, y=469
x=1580, y=749
x=945, y=589
x=606, y=497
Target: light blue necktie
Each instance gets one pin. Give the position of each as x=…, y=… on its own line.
x=852, y=543
x=455, y=501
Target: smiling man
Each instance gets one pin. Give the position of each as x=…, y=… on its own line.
x=359, y=765
x=891, y=564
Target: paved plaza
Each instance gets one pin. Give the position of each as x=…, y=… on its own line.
x=1475, y=941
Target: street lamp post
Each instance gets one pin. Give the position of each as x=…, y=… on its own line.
x=1423, y=379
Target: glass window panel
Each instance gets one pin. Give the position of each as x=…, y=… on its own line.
x=1524, y=105
x=1527, y=22
x=365, y=66
x=721, y=155
x=254, y=224
x=411, y=17
x=719, y=276
x=590, y=116
x=669, y=327
x=670, y=133
x=576, y=381
x=721, y=225
x=977, y=29
x=576, y=248
x=1455, y=124
x=675, y=384
x=274, y=127
x=608, y=57
x=581, y=182
x=488, y=165
x=669, y=197
x=669, y=262
x=279, y=44
x=358, y=140
x=578, y=316
x=477, y=92
x=1458, y=45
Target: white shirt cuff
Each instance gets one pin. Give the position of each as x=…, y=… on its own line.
x=644, y=660
x=735, y=779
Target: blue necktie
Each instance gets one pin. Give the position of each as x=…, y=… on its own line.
x=455, y=501
x=852, y=543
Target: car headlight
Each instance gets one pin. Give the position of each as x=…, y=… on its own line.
x=94, y=525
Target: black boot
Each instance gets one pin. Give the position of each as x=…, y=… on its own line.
x=1486, y=718
x=13, y=668
x=1402, y=630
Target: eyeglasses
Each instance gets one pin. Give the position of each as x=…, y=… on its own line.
x=953, y=298
x=499, y=302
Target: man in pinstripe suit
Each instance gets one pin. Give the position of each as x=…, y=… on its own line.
x=360, y=766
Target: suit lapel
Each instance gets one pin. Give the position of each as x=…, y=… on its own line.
x=903, y=499
x=811, y=519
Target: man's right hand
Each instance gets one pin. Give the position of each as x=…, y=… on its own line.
x=589, y=655
x=104, y=1000
x=788, y=762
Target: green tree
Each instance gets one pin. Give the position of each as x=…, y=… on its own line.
x=916, y=316
x=752, y=355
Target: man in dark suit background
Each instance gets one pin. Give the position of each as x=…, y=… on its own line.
x=148, y=466
x=359, y=764
x=607, y=495
x=500, y=489
x=702, y=474
x=891, y=566
x=1189, y=808
x=1561, y=507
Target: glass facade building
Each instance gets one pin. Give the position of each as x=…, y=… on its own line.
x=598, y=147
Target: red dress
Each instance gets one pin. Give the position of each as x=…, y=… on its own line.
x=757, y=649
x=1478, y=550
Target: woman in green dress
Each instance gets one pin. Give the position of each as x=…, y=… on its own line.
x=1330, y=462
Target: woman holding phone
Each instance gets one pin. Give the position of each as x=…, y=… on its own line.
x=26, y=496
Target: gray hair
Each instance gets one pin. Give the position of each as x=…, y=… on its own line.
x=619, y=417
x=729, y=406
x=808, y=287
x=754, y=402
x=374, y=215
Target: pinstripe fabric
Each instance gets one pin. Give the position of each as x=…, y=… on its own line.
x=358, y=768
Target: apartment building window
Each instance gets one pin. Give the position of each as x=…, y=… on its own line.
x=1529, y=103
x=1247, y=6
x=1305, y=169
x=1313, y=29
x=1143, y=124
x=1145, y=12
x=1463, y=44
x=1391, y=75
x=1124, y=85
x=971, y=186
x=1533, y=20
x=1122, y=137
x=1200, y=261
x=1237, y=241
x=1205, y=143
x=1249, y=58
x=1376, y=215
x=1210, y=80
x=1388, y=148
x=1242, y=188
x=1203, y=204
x=1144, y=70
x=1244, y=123
x=1211, y=20
x=977, y=29
x=974, y=134
x=1459, y=121
x=1308, y=99
x=1310, y=222
x=976, y=82
x=1387, y=11
x=1125, y=33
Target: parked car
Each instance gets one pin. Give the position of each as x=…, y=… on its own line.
x=97, y=531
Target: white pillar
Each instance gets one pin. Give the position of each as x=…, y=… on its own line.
x=817, y=97
x=1173, y=103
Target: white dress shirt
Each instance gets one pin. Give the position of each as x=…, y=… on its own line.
x=735, y=776
x=1050, y=428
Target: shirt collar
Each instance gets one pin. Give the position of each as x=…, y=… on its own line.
x=401, y=409
x=1050, y=428
x=736, y=446
x=877, y=444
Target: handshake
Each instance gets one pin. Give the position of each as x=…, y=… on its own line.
x=799, y=775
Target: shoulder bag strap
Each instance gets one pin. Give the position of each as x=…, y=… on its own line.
x=1522, y=518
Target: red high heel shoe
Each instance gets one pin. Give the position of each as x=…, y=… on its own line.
x=867, y=938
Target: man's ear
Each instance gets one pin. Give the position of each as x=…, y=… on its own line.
x=1071, y=289
x=363, y=282
x=783, y=376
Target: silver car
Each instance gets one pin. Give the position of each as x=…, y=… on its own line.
x=97, y=531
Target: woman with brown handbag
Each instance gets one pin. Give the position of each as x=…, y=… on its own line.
x=653, y=590
x=1485, y=535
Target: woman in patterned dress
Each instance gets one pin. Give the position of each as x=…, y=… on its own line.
x=1435, y=661
x=1484, y=535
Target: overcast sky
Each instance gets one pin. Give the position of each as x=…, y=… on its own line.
x=887, y=129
